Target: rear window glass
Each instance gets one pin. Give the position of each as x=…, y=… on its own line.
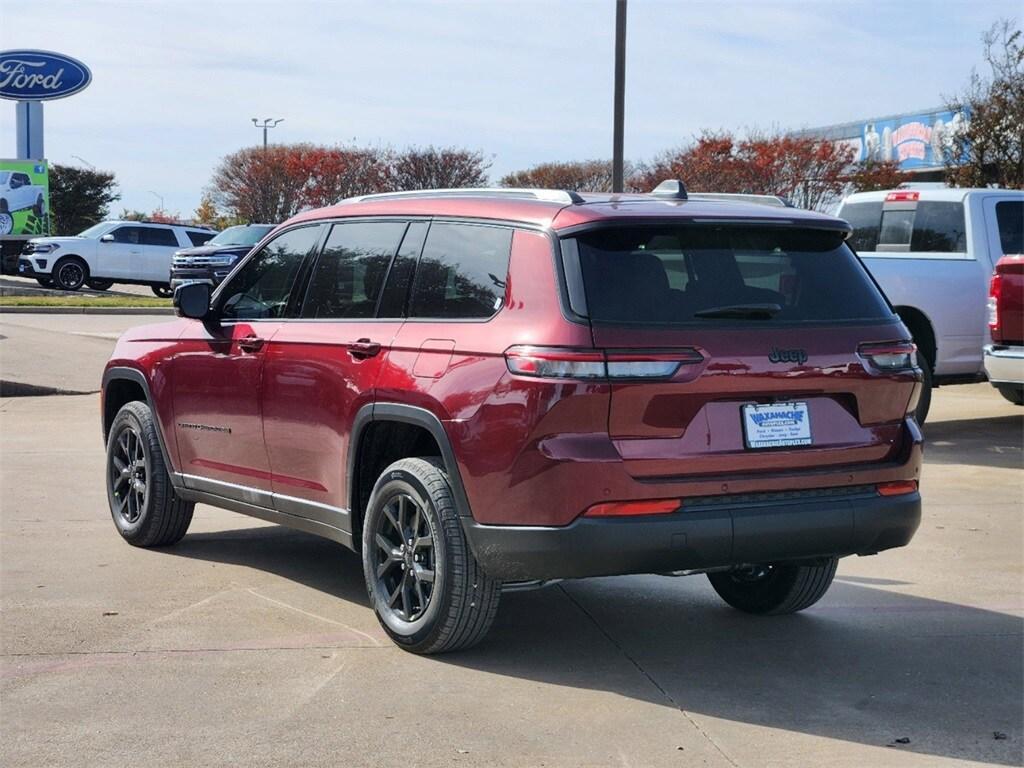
x=1010, y=219
x=864, y=218
x=939, y=227
x=702, y=274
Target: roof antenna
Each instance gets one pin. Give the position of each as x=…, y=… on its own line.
x=671, y=188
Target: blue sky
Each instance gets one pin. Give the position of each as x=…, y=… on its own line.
x=176, y=83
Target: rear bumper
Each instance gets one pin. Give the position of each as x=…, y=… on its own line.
x=1004, y=364
x=704, y=533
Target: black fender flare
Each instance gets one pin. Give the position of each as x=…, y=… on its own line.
x=406, y=414
x=134, y=375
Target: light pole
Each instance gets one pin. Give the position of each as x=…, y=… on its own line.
x=268, y=123
x=158, y=197
x=83, y=160
x=620, y=95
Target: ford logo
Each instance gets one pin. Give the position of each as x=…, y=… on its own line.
x=27, y=75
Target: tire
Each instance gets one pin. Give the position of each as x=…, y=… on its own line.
x=1013, y=393
x=152, y=516
x=412, y=501
x=46, y=282
x=70, y=273
x=162, y=291
x=6, y=222
x=773, y=590
x=925, y=403
x=99, y=285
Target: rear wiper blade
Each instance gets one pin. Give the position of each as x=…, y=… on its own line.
x=765, y=311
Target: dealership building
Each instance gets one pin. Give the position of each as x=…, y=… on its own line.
x=915, y=140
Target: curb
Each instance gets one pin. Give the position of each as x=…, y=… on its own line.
x=87, y=310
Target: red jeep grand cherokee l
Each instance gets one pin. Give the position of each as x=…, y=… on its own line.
x=483, y=387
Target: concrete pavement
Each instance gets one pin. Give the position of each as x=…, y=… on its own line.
x=248, y=644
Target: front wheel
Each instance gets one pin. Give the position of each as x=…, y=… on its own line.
x=1012, y=392
x=163, y=291
x=429, y=593
x=775, y=589
x=70, y=274
x=6, y=222
x=146, y=510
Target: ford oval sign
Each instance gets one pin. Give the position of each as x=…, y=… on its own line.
x=39, y=75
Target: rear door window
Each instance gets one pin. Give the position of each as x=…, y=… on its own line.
x=1010, y=220
x=659, y=276
x=349, y=274
x=159, y=236
x=462, y=272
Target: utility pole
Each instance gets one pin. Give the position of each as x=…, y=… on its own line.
x=159, y=197
x=268, y=123
x=620, y=95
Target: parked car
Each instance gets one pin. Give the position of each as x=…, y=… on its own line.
x=1004, y=357
x=211, y=262
x=136, y=252
x=488, y=389
x=17, y=193
x=932, y=251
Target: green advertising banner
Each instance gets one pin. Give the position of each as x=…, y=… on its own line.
x=24, y=197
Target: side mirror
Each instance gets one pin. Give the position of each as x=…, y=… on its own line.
x=192, y=300
x=107, y=239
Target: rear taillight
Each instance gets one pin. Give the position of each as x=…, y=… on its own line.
x=995, y=293
x=633, y=508
x=565, y=363
x=890, y=356
x=897, y=488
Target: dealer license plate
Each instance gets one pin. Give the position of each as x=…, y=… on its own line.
x=777, y=425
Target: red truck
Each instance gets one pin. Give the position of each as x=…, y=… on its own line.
x=1004, y=357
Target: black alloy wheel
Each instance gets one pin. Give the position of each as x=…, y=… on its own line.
x=403, y=557
x=129, y=470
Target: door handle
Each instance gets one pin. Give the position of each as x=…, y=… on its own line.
x=251, y=343
x=363, y=348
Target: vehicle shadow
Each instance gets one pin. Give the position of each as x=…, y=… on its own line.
x=991, y=442
x=866, y=665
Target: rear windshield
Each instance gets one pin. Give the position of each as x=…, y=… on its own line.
x=930, y=226
x=699, y=275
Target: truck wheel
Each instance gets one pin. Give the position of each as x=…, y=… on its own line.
x=99, y=285
x=6, y=222
x=1012, y=392
x=162, y=291
x=70, y=273
x=426, y=588
x=142, y=501
x=925, y=403
x=774, y=589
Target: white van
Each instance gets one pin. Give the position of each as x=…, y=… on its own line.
x=932, y=251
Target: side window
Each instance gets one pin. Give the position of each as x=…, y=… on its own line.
x=865, y=219
x=197, y=237
x=939, y=227
x=462, y=272
x=1010, y=219
x=159, y=236
x=396, y=290
x=262, y=287
x=349, y=274
x=131, y=235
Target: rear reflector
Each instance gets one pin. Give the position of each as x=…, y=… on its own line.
x=630, y=508
x=897, y=488
x=901, y=197
x=565, y=363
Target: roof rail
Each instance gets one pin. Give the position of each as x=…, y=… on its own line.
x=547, y=195
x=773, y=200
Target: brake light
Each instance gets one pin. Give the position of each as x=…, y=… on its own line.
x=633, y=508
x=995, y=293
x=902, y=197
x=566, y=363
x=897, y=488
x=890, y=356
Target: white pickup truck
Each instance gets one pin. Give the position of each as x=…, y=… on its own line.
x=932, y=251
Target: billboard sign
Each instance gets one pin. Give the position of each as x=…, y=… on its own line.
x=914, y=141
x=30, y=75
x=24, y=197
